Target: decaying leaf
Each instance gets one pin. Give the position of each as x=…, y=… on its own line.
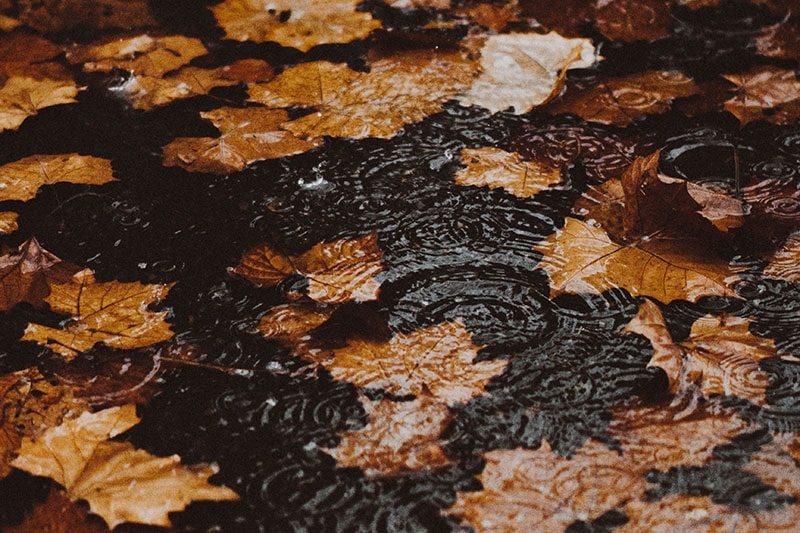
x=337, y=271
x=620, y=101
x=21, y=179
x=633, y=20
x=400, y=436
x=583, y=258
x=63, y=15
x=439, y=359
x=762, y=89
x=495, y=168
x=301, y=24
x=113, y=313
x=57, y=514
x=398, y=90
x=8, y=222
x=247, y=135
x=22, y=97
x=27, y=274
x=120, y=483
x=785, y=263
x=525, y=70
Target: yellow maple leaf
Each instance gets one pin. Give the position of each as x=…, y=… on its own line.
x=120, y=483
x=497, y=168
x=22, y=97
x=21, y=179
x=113, y=313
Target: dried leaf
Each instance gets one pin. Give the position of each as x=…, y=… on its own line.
x=27, y=274
x=525, y=70
x=49, y=16
x=247, y=135
x=620, y=101
x=337, y=271
x=301, y=24
x=113, y=313
x=785, y=263
x=495, y=168
x=400, y=436
x=633, y=20
x=398, y=90
x=439, y=359
x=8, y=222
x=57, y=514
x=120, y=483
x=22, y=97
x=582, y=258
x=21, y=179
x=762, y=89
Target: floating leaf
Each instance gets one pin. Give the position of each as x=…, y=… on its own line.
x=8, y=222
x=22, y=97
x=633, y=20
x=27, y=274
x=764, y=88
x=497, y=168
x=120, y=483
x=21, y=179
x=247, y=135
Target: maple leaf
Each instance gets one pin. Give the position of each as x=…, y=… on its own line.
x=120, y=483
x=410, y=85
x=22, y=97
x=439, y=358
x=247, y=135
x=538, y=490
x=784, y=262
x=633, y=20
x=525, y=70
x=583, y=258
x=761, y=89
x=301, y=24
x=619, y=101
x=51, y=16
x=113, y=313
x=8, y=222
x=21, y=179
x=495, y=168
x=27, y=273
x=290, y=323
x=337, y=271
x=400, y=436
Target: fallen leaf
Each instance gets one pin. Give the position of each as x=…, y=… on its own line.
x=57, y=514
x=22, y=97
x=776, y=465
x=19, y=51
x=8, y=222
x=410, y=85
x=620, y=101
x=27, y=274
x=667, y=355
x=762, y=89
x=120, y=483
x=603, y=204
x=497, y=168
x=337, y=271
x=301, y=24
x=781, y=40
x=582, y=258
x=633, y=20
x=50, y=16
x=524, y=70
x=406, y=4
x=290, y=324
x=247, y=135
x=537, y=490
x=21, y=179
x=439, y=359
x=141, y=54
x=785, y=263
x=113, y=313
x=567, y=17
x=400, y=436
x=493, y=17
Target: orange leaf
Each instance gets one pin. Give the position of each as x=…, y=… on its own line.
x=247, y=135
x=761, y=89
x=27, y=274
x=120, y=483
x=22, y=97
x=21, y=179
x=8, y=222
x=495, y=168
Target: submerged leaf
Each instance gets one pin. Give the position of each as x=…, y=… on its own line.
x=21, y=179
x=495, y=168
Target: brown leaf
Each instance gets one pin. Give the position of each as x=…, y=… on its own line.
x=301, y=24
x=21, y=179
x=21, y=50
x=247, y=135
x=567, y=17
x=761, y=89
x=439, y=359
x=582, y=258
x=537, y=490
x=667, y=355
x=398, y=90
x=27, y=274
x=619, y=101
x=22, y=97
x=400, y=436
x=49, y=16
x=493, y=17
x=785, y=263
x=113, y=313
x=337, y=271
x=633, y=20
x=497, y=168
x=781, y=40
x=120, y=483
x=291, y=324
x=57, y=514
x=603, y=204
x=405, y=4
x=8, y=222
x=525, y=70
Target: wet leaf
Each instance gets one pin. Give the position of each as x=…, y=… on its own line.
x=120, y=483
x=21, y=179
x=247, y=135
x=775, y=464
x=398, y=90
x=583, y=258
x=603, y=204
x=113, y=313
x=764, y=88
x=22, y=97
x=406, y=4
x=400, y=436
x=567, y=17
x=337, y=271
x=290, y=324
x=667, y=355
x=497, y=168
x=620, y=101
x=19, y=51
x=493, y=17
x=633, y=20
x=8, y=222
x=301, y=24
x=781, y=41
x=27, y=274
x=64, y=15
x=57, y=514
x=439, y=359
x=785, y=263
x=525, y=70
